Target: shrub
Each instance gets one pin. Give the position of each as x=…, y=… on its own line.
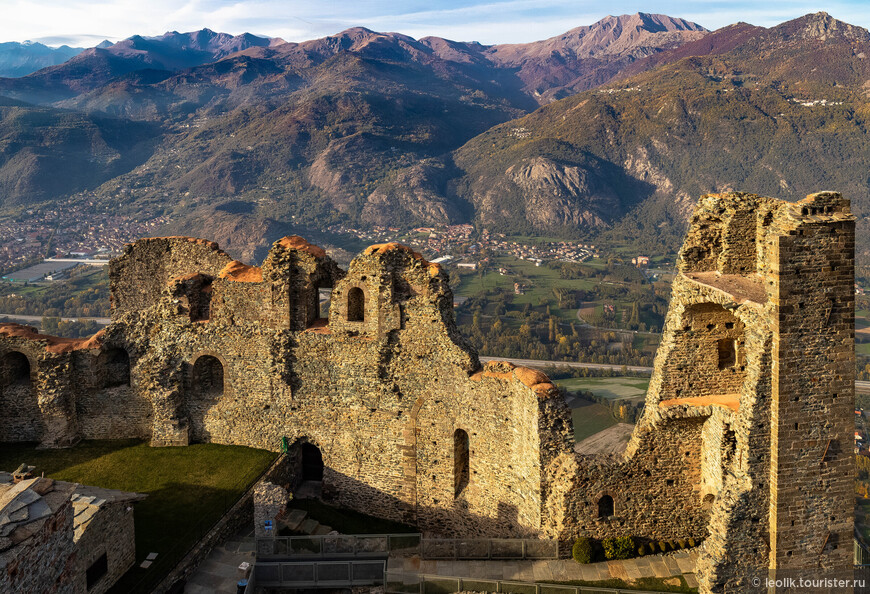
x=663, y=546
x=641, y=551
x=620, y=547
x=651, y=547
x=682, y=543
x=692, y=542
x=582, y=550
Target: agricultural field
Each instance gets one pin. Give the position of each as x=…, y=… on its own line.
x=612, y=388
x=590, y=418
x=593, y=417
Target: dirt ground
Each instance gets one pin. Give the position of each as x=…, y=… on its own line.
x=612, y=440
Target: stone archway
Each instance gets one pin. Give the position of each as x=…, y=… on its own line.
x=207, y=386
x=312, y=463
x=114, y=364
x=306, y=460
x=22, y=417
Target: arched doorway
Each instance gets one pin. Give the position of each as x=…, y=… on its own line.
x=206, y=390
x=356, y=305
x=312, y=463
x=605, y=507
x=15, y=369
x=115, y=364
x=22, y=417
x=208, y=377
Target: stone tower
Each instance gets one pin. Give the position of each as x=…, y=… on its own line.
x=770, y=288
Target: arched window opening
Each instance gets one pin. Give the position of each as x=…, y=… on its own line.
x=208, y=377
x=605, y=507
x=16, y=369
x=115, y=364
x=461, y=462
x=727, y=353
x=312, y=463
x=356, y=303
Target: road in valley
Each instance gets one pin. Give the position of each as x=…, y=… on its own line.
x=17, y=318
x=862, y=387
x=572, y=364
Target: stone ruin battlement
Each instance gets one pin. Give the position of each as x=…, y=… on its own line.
x=746, y=438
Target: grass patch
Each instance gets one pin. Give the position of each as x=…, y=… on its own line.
x=590, y=419
x=348, y=521
x=189, y=489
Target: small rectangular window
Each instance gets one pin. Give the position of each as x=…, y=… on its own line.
x=97, y=570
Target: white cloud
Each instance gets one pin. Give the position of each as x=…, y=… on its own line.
x=488, y=21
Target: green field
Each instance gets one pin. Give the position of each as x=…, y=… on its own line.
x=188, y=488
x=612, y=388
x=589, y=419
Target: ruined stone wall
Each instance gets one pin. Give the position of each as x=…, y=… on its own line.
x=746, y=431
x=111, y=533
x=746, y=426
x=228, y=353
x=812, y=466
x=46, y=561
x=139, y=276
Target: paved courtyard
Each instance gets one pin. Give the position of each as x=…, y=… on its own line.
x=561, y=570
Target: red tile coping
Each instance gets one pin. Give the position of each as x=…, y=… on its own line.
x=731, y=401
x=742, y=288
x=54, y=344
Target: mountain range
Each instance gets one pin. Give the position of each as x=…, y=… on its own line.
x=19, y=59
x=609, y=130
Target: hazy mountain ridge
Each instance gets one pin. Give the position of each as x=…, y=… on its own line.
x=339, y=123
x=20, y=59
x=382, y=128
x=97, y=66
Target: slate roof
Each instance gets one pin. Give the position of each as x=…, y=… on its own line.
x=26, y=506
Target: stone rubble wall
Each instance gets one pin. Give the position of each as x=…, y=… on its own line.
x=110, y=532
x=270, y=503
x=46, y=562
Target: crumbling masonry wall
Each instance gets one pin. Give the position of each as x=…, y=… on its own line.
x=746, y=433
x=744, y=440
x=210, y=349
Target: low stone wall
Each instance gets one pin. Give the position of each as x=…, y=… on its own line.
x=239, y=515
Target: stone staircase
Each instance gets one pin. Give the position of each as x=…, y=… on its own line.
x=298, y=521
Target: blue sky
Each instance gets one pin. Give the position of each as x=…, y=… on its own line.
x=87, y=22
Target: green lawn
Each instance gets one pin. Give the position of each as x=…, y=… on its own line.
x=188, y=488
x=589, y=419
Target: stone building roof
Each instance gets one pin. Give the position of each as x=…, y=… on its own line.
x=88, y=500
x=27, y=505
x=25, y=508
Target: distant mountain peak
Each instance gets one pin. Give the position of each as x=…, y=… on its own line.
x=821, y=26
